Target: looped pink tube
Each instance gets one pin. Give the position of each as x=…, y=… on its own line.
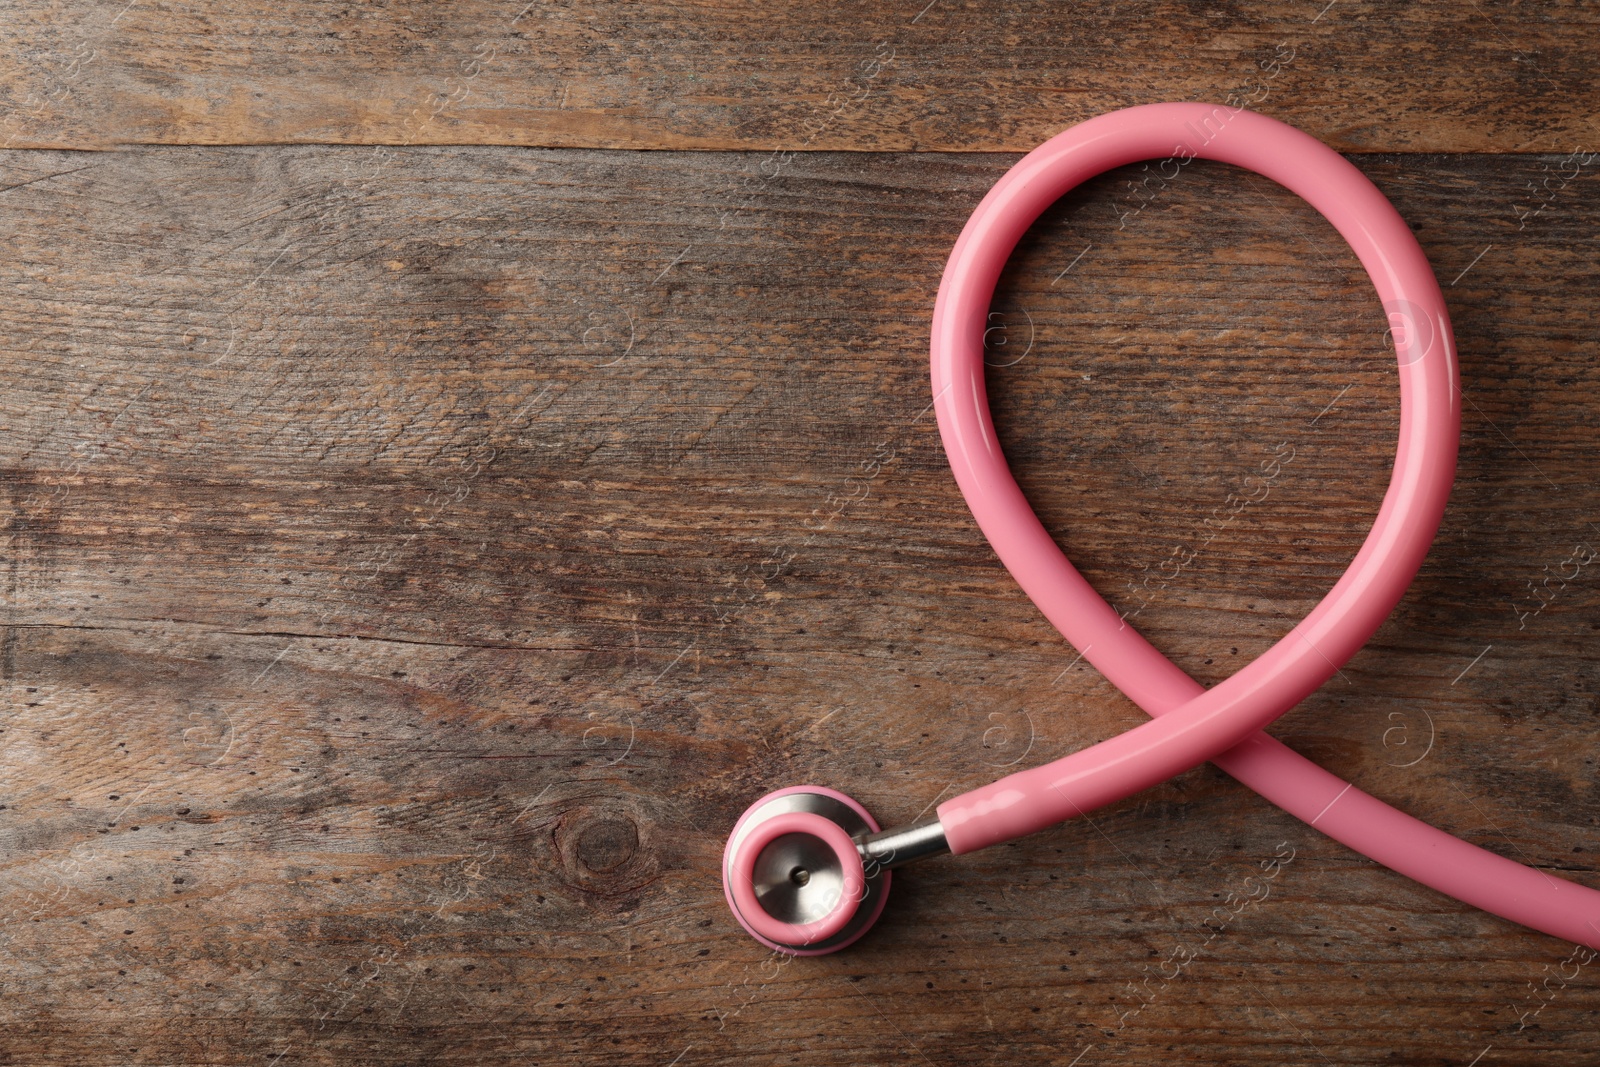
x=1191, y=724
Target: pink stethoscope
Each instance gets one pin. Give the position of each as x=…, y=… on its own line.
x=807, y=869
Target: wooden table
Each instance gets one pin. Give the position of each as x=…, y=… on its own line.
x=456, y=457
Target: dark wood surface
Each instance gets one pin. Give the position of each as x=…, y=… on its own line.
x=931, y=75
x=417, y=556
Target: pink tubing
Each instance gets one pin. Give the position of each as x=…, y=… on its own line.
x=1191, y=724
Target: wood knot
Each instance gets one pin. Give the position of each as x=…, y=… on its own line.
x=606, y=844
x=605, y=848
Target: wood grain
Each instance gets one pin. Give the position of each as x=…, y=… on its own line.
x=417, y=559
x=940, y=75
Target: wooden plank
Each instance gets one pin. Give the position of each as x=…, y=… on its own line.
x=415, y=562
x=1363, y=76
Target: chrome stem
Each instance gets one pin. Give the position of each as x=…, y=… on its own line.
x=900, y=845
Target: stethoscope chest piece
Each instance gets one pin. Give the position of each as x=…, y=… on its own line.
x=794, y=873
